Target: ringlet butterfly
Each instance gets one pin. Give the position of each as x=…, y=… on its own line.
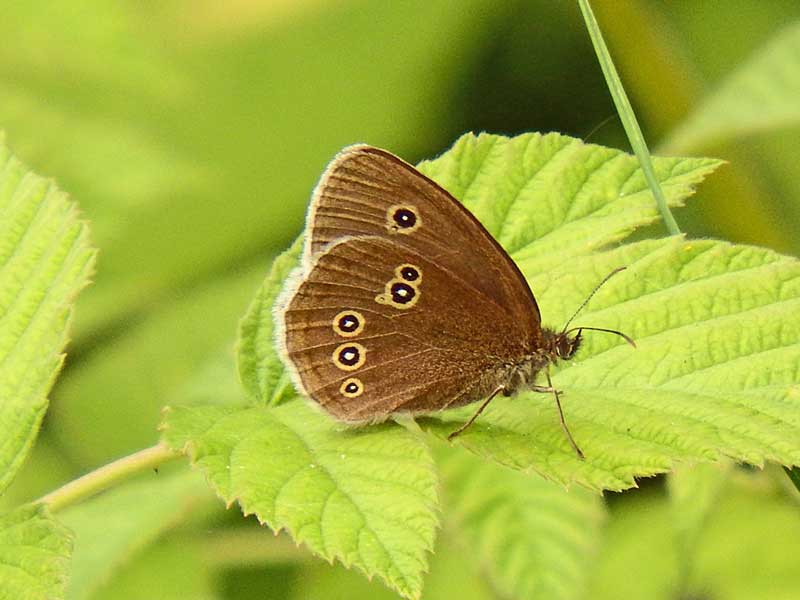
x=404, y=303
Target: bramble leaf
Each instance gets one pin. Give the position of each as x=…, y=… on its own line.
x=34, y=555
x=45, y=259
x=549, y=199
x=715, y=325
x=714, y=374
x=260, y=368
x=364, y=497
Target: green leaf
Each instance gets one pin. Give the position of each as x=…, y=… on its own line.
x=45, y=259
x=260, y=368
x=34, y=555
x=533, y=538
x=716, y=324
x=761, y=94
x=364, y=497
x=549, y=199
x=714, y=374
x=112, y=527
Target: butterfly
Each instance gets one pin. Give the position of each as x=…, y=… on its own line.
x=405, y=303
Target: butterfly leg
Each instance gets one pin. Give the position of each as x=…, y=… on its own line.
x=561, y=417
x=461, y=429
x=544, y=389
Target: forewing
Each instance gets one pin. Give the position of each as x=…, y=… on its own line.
x=365, y=191
x=376, y=328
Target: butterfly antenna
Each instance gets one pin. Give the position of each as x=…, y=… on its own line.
x=585, y=302
x=614, y=331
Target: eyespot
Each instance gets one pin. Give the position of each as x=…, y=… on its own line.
x=399, y=294
x=409, y=273
x=351, y=388
x=348, y=323
x=402, y=218
x=350, y=356
x=402, y=293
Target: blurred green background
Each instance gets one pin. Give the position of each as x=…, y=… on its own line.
x=192, y=133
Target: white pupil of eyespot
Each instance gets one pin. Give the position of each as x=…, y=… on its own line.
x=349, y=355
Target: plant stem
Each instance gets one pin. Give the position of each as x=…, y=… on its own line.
x=106, y=476
x=627, y=116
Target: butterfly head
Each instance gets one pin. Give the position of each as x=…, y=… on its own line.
x=565, y=345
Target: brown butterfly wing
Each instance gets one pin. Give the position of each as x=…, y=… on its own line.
x=365, y=190
x=405, y=333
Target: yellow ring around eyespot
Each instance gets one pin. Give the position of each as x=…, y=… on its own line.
x=348, y=334
x=347, y=382
x=398, y=272
x=393, y=227
x=362, y=356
